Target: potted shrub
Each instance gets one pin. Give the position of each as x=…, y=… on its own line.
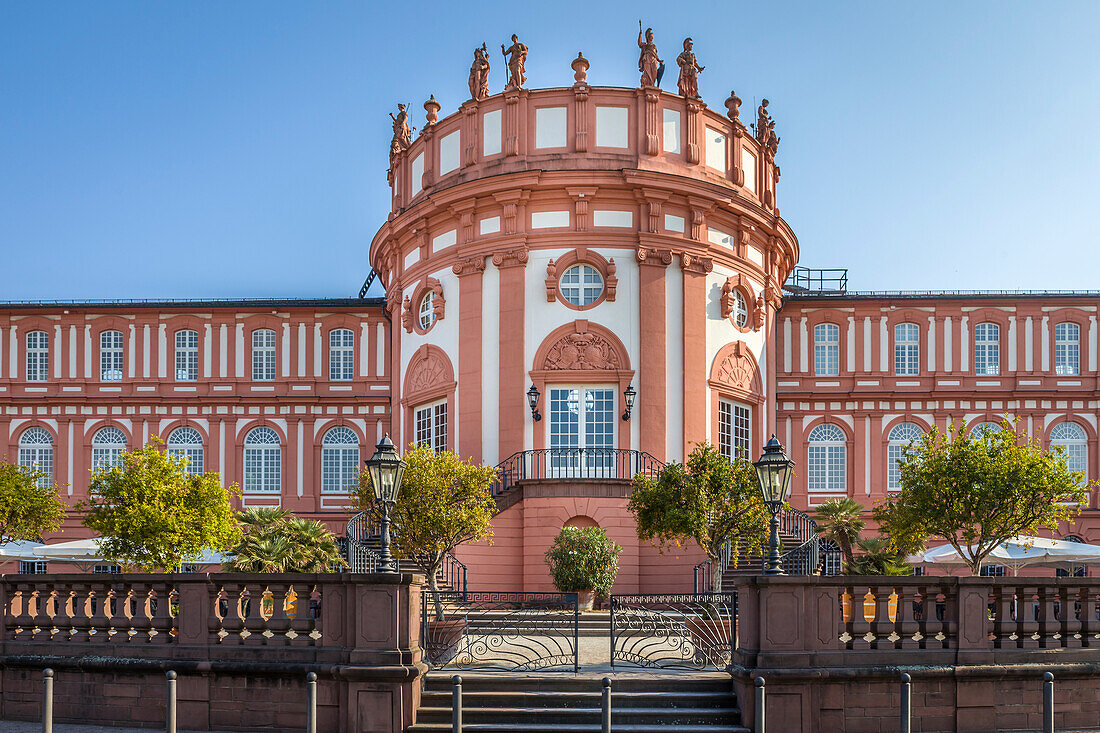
x=585, y=561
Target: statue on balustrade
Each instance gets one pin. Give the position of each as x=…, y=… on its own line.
x=765, y=126
x=517, y=60
x=688, y=84
x=402, y=136
x=479, y=73
x=651, y=66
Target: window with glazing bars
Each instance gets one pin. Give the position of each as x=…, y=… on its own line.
x=987, y=349
x=187, y=356
x=36, y=453
x=263, y=355
x=186, y=442
x=38, y=356
x=262, y=461
x=339, y=460
x=900, y=436
x=110, y=356
x=826, y=350
x=734, y=421
x=906, y=350
x=1067, y=349
x=341, y=355
x=431, y=425
x=827, y=460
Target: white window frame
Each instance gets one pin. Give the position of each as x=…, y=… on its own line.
x=341, y=355
x=827, y=460
x=430, y=425
x=186, y=442
x=598, y=458
x=1076, y=445
x=734, y=428
x=587, y=289
x=339, y=460
x=987, y=349
x=111, y=358
x=826, y=350
x=263, y=461
x=740, y=309
x=906, y=350
x=425, y=310
x=263, y=354
x=1067, y=349
x=900, y=435
x=107, y=453
x=38, y=356
x=187, y=355
x=36, y=453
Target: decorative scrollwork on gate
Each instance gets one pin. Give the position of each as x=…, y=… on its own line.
x=508, y=631
x=694, y=631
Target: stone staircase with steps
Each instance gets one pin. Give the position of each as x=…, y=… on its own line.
x=753, y=564
x=685, y=702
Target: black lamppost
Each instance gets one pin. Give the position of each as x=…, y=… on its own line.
x=628, y=399
x=773, y=471
x=386, y=470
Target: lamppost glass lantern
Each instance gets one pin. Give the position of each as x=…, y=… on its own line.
x=533, y=402
x=386, y=470
x=628, y=400
x=773, y=472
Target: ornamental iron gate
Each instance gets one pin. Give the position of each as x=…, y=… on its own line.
x=488, y=630
x=695, y=631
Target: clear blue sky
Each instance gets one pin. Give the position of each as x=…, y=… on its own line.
x=236, y=149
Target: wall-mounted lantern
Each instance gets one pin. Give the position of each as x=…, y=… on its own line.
x=533, y=403
x=628, y=400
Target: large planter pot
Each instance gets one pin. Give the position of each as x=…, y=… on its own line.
x=442, y=639
x=711, y=639
x=585, y=600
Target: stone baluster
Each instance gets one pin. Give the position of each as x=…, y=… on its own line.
x=859, y=626
x=1026, y=622
x=1069, y=596
x=1049, y=625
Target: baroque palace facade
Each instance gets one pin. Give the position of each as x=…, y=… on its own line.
x=580, y=283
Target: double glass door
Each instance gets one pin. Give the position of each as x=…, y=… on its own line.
x=582, y=431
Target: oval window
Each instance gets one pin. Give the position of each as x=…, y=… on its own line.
x=581, y=285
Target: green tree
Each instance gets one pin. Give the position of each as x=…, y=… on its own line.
x=710, y=499
x=583, y=558
x=154, y=515
x=27, y=509
x=275, y=541
x=976, y=490
x=877, y=556
x=444, y=502
x=841, y=521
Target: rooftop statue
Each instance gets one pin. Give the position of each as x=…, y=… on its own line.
x=689, y=71
x=479, y=73
x=765, y=127
x=402, y=136
x=651, y=66
x=517, y=59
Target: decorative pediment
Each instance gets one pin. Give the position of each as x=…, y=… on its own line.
x=581, y=346
x=735, y=370
x=428, y=369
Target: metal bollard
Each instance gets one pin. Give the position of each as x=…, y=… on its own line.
x=47, y=700
x=606, y=706
x=1048, y=702
x=906, y=703
x=311, y=702
x=456, y=704
x=170, y=714
x=760, y=724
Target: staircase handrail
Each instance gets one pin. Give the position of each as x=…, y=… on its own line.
x=797, y=523
x=454, y=573
x=804, y=559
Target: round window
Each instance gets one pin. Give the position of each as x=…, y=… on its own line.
x=581, y=285
x=740, y=310
x=426, y=313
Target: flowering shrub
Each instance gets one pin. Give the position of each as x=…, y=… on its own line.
x=583, y=558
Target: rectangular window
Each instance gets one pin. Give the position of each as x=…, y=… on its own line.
x=416, y=175
x=992, y=571
x=430, y=425
x=448, y=152
x=894, y=456
x=906, y=350
x=341, y=355
x=549, y=219
x=550, y=127
x=444, y=240
x=263, y=355
x=987, y=350
x=748, y=165
x=110, y=356
x=1067, y=349
x=262, y=469
x=734, y=426
x=671, y=130
x=490, y=133
x=674, y=223
x=717, y=236
x=716, y=150
x=612, y=127
x=107, y=569
x=582, y=431
x=826, y=469
x=826, y=350
x=36, y=567
x=187, y=356
x=38, y=356
x=489, y=225
x=624, y=219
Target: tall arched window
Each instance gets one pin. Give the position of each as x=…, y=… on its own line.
x=186, y=442
x=38, y=356
x=985, y=427
x=36, y=452
x=339, y=460
x=827, y=460
x=110, y=356
x=987, y=350
x=826, y=349
x=1067, y=349
x=107, y=446
x=906, y=350
x=900, y=436
x=1071, y=436
x=740, y=309
x=187, y=356
x=341, y=354
x=262, y=460
x=263, y=355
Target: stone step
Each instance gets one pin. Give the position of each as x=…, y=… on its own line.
x=552, y=727
x=561, y=699
x=698, y=682
x=579, y=716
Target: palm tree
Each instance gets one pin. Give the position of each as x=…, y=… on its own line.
x=878, y=557
x=275, y=541
x=841, y=521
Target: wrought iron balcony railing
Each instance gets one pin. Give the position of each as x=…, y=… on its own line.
x=574, y=463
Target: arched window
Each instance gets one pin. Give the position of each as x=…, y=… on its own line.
x=38, y=356
x=827, y=460
x=1071, y=436
x=426, y=311
x=263, y=355
x=262, y=461
x=987, y=350
x=36, y=452
x=339, y=460
x=740, y=309
x=906, y=350
x=581, y=284
x=985, y=427
x=1067, y=349
x=107, y=446
x=826, y=349
x=186, y=442
x=341, y=354
x=900, y=436
x=1075, y=571
x=110, y=356
x=187, y=356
